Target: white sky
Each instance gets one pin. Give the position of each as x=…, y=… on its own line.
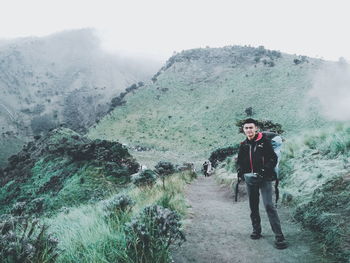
x=159, y=27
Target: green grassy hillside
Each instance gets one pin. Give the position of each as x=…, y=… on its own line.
x=191, y=107
x=315, y=179
x=63, y=169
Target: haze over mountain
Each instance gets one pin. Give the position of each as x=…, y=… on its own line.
x=65, y=78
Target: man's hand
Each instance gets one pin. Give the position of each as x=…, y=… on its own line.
x=240, y=177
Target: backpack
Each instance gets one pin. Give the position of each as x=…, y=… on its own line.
x=276, y=141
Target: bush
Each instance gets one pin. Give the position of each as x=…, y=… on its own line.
x=300, y=60
x=164, y=169
x=145, y=178
x=249, y=111
x=221, y=154
x=117, y=205
x=151, y=233
x=23, y=240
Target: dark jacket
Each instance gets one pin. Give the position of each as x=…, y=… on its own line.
x=257, y=156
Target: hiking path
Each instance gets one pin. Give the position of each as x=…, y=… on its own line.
x=217, y=230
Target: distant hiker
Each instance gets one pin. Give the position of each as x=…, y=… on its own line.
x=142, y=168
x=209, y=168
x=256, y=163
x=206, y=168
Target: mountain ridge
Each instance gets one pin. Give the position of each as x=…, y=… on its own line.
x=199, y=94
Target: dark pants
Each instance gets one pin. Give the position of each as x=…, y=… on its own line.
x=253, y=186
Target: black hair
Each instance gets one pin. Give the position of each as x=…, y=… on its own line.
x=250, y=120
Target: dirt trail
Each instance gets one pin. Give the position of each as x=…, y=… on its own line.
x=218, y=229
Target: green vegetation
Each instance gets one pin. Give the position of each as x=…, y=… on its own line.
x=145, y=178
x=81, y=189
x=164, y=169
x=64, y=169
x=315, y=180
x=90, y=234
x=23, y=239
x=151, y=232
x=312, y=158
x=328, y=215
x=194, y=102
x=221, y=154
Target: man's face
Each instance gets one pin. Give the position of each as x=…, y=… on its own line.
x=250, y=130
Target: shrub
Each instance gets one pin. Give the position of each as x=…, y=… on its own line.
x=221, y=154
x=145, y=178
x=151, y=233
x=23, y=240
x=297, y=61
x=117, y=205
x=164, y=169
x=249, y=111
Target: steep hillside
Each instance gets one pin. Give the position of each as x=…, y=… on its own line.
x=191, y=107
x=65, y=78
x=315, y=173
x=63, y=168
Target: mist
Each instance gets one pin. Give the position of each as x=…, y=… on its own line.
x=80, y=48
x=331, y=86
x=63, y=78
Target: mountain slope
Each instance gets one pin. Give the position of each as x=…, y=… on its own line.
x=191, y=107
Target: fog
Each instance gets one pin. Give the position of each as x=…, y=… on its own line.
x=331, y=86
x=77, y=48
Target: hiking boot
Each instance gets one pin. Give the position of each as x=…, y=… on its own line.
x=255, y=235
x=280, y=243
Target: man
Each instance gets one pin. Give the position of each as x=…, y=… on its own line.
x=255, y=164
x=207, y=168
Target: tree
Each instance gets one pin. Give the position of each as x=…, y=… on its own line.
x=164, y=169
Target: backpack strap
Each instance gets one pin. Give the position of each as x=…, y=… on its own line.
x=277, y=192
